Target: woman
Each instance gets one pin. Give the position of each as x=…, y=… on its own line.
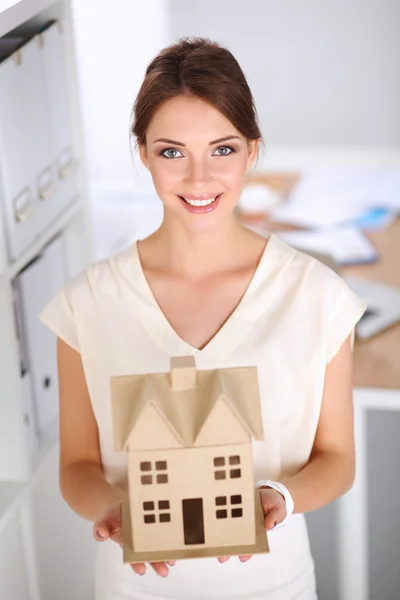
x=205, y=286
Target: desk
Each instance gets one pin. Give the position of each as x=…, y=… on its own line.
x=377, y=388
x=376, y=361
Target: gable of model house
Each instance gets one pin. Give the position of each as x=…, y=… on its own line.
x=186, y=408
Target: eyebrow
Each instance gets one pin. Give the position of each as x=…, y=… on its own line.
x=175, y=143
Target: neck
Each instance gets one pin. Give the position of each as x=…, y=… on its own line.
x=197, y=254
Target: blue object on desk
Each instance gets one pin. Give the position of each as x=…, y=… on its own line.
x=377, y=218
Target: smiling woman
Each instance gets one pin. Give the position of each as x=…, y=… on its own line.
x=202, y=285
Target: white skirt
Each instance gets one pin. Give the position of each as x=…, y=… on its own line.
x=286, y=573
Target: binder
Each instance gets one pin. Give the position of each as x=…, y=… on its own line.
x=25, y=144
x=37, y=284
x=39, y=163
x=60, y=123
x=28, y=408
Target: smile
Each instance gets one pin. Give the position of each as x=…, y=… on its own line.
x=200, y=202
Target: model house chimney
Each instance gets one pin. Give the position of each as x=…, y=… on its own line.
x=183, y=373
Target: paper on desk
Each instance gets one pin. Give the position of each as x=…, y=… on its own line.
x=347, y=245
x=332, y=197
x=321, y=210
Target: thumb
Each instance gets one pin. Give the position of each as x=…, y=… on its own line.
x=275, y=516
x=101, y=530
x=108, y=523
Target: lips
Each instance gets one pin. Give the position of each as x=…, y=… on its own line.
x=201, y=206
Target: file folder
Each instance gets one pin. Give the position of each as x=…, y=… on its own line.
x=60, y=124
x=37, y=284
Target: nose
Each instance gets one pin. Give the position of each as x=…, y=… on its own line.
x=198, y=174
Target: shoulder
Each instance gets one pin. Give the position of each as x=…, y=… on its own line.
x=320, y=294
x=309, y=275
x=101, y=278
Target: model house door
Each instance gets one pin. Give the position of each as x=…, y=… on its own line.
x=193, y=520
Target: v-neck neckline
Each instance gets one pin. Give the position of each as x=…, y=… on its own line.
x=156, y=323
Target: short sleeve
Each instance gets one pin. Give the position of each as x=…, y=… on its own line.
x=58, y=316
x=347, y=311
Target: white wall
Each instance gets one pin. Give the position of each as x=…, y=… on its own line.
x=322, y=73
x=325, y=75
x=115, y=41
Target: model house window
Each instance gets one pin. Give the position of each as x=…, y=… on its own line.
x=156, y=511
x=229, y=505
x=227, y=467
x=153, y=472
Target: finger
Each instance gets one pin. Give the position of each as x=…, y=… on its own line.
x=170, y=562
x=160, y=568
x=275, y=516
x=109, y=521
x=244, y=558
x=223, y=559
x=101, y=531
x=139, y=568
x=271, y=499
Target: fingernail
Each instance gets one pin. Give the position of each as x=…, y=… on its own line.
x=98, y=534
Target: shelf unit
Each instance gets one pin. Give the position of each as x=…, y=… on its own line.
x=71, y=224
x=29, y=492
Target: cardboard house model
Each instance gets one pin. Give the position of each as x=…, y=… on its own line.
x=188, y=435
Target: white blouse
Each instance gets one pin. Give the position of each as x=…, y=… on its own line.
x=291, y=321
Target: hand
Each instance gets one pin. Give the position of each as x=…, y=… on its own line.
x=274, y=507
x=109, y=526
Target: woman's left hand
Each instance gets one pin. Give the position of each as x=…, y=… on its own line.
x=274, y=508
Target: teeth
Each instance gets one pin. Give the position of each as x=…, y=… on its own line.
x=200, y=202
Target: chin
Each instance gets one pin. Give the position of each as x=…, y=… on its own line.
x=203, y=223
x=211, y=226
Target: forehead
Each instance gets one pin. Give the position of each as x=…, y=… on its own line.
x=188, y=119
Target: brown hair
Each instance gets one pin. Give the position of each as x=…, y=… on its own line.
x=201, y=68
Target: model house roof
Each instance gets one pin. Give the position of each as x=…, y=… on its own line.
x=187, y=402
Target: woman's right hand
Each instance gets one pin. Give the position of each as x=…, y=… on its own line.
x=109, y=526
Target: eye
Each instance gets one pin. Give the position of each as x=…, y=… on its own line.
x=169, y=153
x=225, y=150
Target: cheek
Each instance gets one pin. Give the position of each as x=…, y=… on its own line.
x=165, y=175
x=231, y=172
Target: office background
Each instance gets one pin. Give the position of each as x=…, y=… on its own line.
x=325, y=75
x=326, y=81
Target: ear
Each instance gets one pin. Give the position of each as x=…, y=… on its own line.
x=252, y=146
x=143, y=155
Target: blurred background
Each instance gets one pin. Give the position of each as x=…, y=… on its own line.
x=326, y=81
